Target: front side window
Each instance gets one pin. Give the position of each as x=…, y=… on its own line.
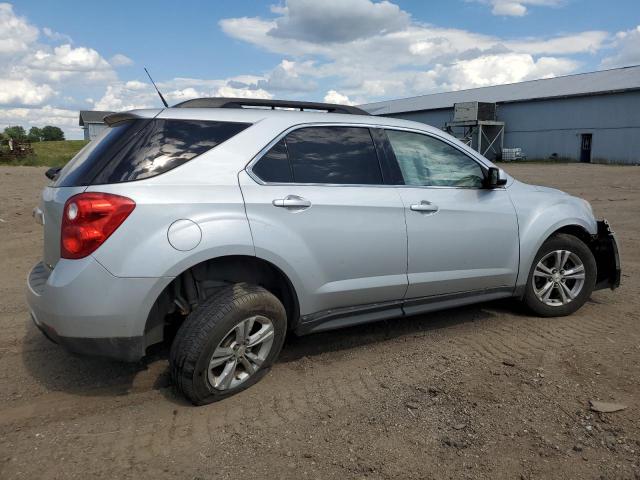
x=427, y=161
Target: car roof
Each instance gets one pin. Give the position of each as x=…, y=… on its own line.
x=290, y=117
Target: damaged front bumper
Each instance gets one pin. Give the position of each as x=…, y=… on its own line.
x=605, y=250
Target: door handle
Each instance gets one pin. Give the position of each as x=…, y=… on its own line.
x=292, y=201
x=424, y=206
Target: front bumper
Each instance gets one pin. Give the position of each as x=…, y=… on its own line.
x=84, y=308
x=605, y=250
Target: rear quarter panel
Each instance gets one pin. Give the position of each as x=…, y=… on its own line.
x=205, y=191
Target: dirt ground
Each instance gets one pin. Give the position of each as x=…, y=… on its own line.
x=478, y=392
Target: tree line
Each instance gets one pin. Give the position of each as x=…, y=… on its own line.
x=45, y=134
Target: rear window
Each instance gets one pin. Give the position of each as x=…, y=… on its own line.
x=144, y=148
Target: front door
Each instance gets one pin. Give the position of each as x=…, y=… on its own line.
x=462, y=237
x=585, y=148
x=318, y=208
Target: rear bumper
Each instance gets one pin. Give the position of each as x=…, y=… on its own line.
x=129, y=349
x=84, y=308
x=605, y=250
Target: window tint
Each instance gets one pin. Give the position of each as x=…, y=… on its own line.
x=337, y=155
x=274, y=165
x=89, y=161
x=144, y=148
x=163, y=145
x=427, y=161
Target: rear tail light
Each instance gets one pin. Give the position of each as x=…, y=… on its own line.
x=89, y=219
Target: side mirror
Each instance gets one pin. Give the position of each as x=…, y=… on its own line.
x=494, y=178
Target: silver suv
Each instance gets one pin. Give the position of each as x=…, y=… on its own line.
x=220, y=225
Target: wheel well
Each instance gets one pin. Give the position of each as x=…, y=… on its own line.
x=578, y=232
x=198, y=282
x=600, y=255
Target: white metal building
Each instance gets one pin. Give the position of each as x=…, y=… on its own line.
x=589, y=117
x=92, y=122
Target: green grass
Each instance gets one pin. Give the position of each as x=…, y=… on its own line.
x=49, y=154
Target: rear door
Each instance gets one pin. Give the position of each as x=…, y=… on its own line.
x=318, y=207
x=462, y=238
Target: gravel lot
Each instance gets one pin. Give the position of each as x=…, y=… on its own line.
x=477, y=392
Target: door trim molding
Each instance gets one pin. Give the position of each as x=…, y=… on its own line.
x=348, y=316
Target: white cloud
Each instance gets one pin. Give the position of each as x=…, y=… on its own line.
x=501, y=69
x=517, y=8
x=227, y=91
x=23, y=92
x=120, y=60
x=126, y=96
x=56, y=36
x=414, y=58
x=286, y=77
x=120, y=96
x=337, y=20
x=16, y=34
x=627, y=49
x=64, y=61
x=335, y=97
x=137, y=85
x=31, y=72
x=38, y=70
x=583, y=42
x=511, y=9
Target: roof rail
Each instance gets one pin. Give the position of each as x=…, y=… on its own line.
x=225, y=102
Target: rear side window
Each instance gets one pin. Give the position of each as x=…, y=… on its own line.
x=140, y=149
x=325, y=155
x=338, y=155
x=274, y=165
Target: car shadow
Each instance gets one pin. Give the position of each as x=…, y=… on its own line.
x=60, y=371
x=357, y=336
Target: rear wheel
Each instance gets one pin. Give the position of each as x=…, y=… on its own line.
x=562, y=277
x=228, y=343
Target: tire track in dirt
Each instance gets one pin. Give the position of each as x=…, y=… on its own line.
x=497, y=340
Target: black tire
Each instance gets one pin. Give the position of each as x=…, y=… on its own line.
x=208, y=325
x=576, y=246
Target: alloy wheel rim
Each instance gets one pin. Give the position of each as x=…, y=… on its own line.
x=241, y=352
x=558, y=278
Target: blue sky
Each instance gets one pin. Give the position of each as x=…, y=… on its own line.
x=59, y=57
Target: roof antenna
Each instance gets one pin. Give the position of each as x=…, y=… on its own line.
x=154, y=86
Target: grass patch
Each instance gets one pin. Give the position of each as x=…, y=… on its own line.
x=49, y=154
